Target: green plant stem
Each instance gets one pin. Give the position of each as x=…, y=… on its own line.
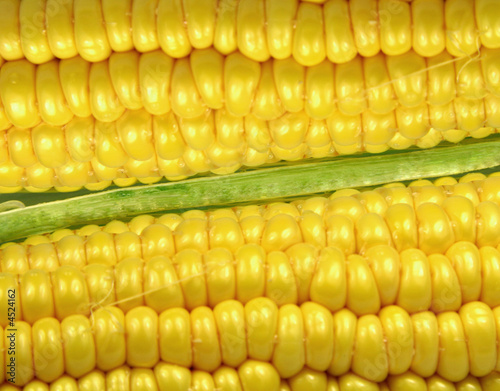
x=251, y=186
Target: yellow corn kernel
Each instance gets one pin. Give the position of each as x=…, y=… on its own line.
x=446, y=291
x=109, y=337
x=313, y=229
x=280, y=18
x=453, y=359
x=17, y=85
x=250, y=30
x=462, y=38
x=256, y=375
x=371, y=230
x=340, y=46
x=70, y=292
x=465, y=259
x=142, y=328
x=319, y=336
x=91, y=41
x=232, y=332
x=267, y=104
x=225, y=29
x=206, y=348
x=427, y=343
x=345, y=323
x=479, y=329
x=487, y=23
x=385, y=265
x=289, y=77
x=395, y=32
x=229, y=129
x=10, y=43
x=33, y=36
x=155, y=69
x=308, y=39
x=54, y=109
x=350, y=87
x=43, y=256
x=20, y=147
x=9, y=286
x=104, y=103
x=435, y=233
x=490, y=268
x=363, y=23
x=129, y=283
x=74, y=75
x=487, y=215
x=143, y=19
x=47, y=338
x=362, y=294
x=394, y=321
x=289, y=357
x=415, y=292
x=428, y=22
x=48, y=144
x=340, y=233
x=466, y=190
x=78, y=345
x=370, y=347
x=100, y=248
x=207, y=67
x=281, y=286
x=175, y=337
x=241, y=78
x=118, y=24
x=124, y=72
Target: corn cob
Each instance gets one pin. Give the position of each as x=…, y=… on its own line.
x=228, y=379
x=362, y=284
x=56, y=91
x=308, y=379
x=139, y=145
x=325, y=116
x=457, y=358
x=450, y=344
x=337, y=30
x=35, y=168
x=248, y=377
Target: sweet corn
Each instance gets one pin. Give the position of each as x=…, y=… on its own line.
x=390, y=289
x=170, y=377
x=364, y=252
x=309, y=31
x=369, y=104
x=450, y=344
x=363, y=284
x=162, y=377
x=58, y=90
x=309, y=379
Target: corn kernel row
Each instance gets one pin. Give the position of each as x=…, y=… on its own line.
x=167, y=377
x=363, y=284
x=78, y=165
x=162, y=377
x=308, y=380
x=337, y=30
x=58, y=90
x=147, y=148
x=451, y=344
